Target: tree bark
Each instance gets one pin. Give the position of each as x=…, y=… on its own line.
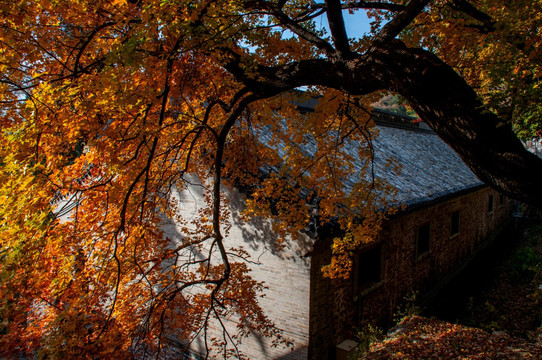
x=453, y=110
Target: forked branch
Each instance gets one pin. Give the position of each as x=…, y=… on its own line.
x=400, y=21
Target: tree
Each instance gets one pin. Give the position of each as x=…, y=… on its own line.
x=394, y=104
x=108, y=106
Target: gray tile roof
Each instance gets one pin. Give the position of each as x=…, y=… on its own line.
x=430, y=169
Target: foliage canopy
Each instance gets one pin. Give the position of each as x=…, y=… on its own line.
x=110, y=106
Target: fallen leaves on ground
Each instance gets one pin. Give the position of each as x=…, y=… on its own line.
x=419, y=338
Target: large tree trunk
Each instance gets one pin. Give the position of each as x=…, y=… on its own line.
x=437, y=93
x=450, y=106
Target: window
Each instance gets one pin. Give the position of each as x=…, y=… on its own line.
x=369, y=267
x=501, y=199
x=490, y=204
x=422, y=240
x=454, y=229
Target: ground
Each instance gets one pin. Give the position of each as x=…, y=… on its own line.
x=512, y=300
x=419, y=338
x=501, y=320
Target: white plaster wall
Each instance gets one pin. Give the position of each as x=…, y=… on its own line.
x=285, y=272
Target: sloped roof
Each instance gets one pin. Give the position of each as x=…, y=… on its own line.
x=430, y=169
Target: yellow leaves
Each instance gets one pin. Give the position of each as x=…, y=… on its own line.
x=498, y=57
x=357, y=235
x=122, y=108
x=339, y=268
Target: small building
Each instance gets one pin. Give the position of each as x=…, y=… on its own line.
x=448, y=215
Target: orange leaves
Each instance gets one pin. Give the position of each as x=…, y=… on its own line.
x=113, y=113
x=424, y=338
x=323, y=173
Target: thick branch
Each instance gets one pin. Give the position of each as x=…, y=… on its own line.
x=336, y=26
x=450, y=106
x=488, y=24
x=437, y=93
x=290, y=24
x=217, y=178
x=267, y=81
x=467, y=8
x=400, y=21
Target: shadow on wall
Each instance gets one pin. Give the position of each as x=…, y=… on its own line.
x=258, y=233
x=277, y=268
x=296, y=354
x=256, y=236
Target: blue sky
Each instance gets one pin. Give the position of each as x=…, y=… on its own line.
x=357, y=24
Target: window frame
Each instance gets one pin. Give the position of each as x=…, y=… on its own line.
x=364, y=287
x=455, y=221
x=491, y=204
x=426, y=249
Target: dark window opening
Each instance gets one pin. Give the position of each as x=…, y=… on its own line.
x=369, y=267
x=454, y=229
x=422, y=240
x=490, y=204
x=501, y=199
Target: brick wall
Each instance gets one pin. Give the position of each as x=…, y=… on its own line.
x=335, y=308
x=402, y=268
x=285, y=273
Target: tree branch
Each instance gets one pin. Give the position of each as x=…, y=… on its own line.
x=488, y=146
x=292, y=25
x=373, y=5
x=444, y=100
x=217, y=178
x=400, y=21
x=488, y=24
x=336, y=26
x=368, y=5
